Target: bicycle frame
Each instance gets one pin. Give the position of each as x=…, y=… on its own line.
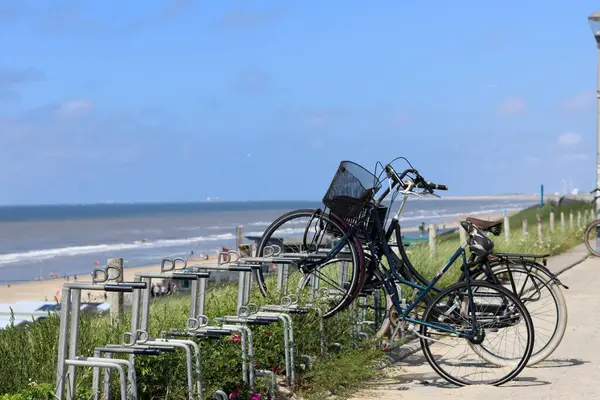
x=392, y=277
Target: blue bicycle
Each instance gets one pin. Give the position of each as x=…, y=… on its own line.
x=472, y=332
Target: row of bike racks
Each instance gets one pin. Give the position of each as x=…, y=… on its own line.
x=137, y=342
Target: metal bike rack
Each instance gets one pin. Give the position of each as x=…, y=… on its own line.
x=272, y=381
x=139, y=318
x=68, y=338
x=247, y=317
x=140, y=337
x=140, y=315
x=101, y=363
x=220, y=395
x=238, y=325
x=199, y=328
x=131, y=376
x=198, y=295
x=99, y=352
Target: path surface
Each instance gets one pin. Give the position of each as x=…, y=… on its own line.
x=572, y=372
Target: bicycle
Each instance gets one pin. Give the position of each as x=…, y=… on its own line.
x=537, y=287
x=473, y=310
x=592, y=232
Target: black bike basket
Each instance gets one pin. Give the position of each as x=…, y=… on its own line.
x=352, y=188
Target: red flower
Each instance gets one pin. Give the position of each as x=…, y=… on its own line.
x=235, y=338
x=277, y=369
x=235, y=394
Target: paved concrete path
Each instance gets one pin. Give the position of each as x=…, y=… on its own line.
x=572, y=372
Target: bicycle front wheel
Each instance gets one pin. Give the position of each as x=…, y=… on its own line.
x=503, y=329
x=304, y=233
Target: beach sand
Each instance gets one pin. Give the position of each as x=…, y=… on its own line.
x=48, y=289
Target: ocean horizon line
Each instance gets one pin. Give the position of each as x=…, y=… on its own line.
x=191, y=202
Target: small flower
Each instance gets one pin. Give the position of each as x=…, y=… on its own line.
x=235, y=394
x=235, y=338
x=256, y=396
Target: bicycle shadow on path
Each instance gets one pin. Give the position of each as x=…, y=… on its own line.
x=560, y=363
x=416, y=371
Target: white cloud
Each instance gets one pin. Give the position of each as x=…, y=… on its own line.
x=580, y=102
x=569, y=139
x=74, y=108
x=511, y=106
x=575, y=157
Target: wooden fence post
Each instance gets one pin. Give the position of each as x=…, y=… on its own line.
x=115, y=298
x=525, y=233
x=539, y=227
x=571, y=224
x=552, y=221
x=578, y=218
x=432, y=234
x=506, y=227
x=562, y=221
x=239, y=233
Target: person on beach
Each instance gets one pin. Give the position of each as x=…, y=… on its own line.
x=422, y=229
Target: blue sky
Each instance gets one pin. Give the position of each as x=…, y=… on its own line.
x=179, y=100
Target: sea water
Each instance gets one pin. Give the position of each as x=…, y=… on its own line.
x=71, y=239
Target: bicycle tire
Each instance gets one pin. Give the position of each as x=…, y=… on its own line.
x=541, y=353
x=356, y=255
x=433, y=312
x=591, y=227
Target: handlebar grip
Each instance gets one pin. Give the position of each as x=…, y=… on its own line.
x=115, y=287
x=137, y=285
x=240, y=268
x=433, y=186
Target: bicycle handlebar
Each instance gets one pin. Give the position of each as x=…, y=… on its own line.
x=398, y=180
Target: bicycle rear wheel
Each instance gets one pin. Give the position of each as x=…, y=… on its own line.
x=302, y=233
x=497, y=313
x=592, y=238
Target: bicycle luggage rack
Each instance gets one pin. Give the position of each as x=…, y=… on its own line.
x=68, y=338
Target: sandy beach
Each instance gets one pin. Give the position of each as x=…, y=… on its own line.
x=48, y=289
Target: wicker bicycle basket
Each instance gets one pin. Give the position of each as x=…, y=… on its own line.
x=351, y=189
